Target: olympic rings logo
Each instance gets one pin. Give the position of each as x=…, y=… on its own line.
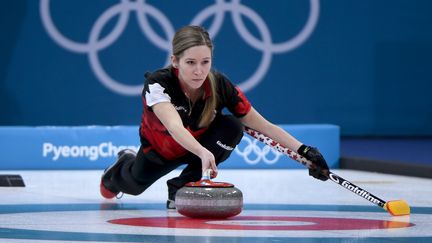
x=252, y=153
x=142, y=9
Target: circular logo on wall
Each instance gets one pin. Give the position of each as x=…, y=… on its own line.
x=124, y=10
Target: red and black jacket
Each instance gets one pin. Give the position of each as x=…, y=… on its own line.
x=164, y=86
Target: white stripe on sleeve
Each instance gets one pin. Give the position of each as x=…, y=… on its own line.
x=156, y=95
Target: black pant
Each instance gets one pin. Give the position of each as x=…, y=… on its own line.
x=136, y=175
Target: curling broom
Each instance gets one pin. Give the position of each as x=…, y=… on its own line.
x=395, y=208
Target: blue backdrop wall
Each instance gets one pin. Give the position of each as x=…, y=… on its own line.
x=362, y=65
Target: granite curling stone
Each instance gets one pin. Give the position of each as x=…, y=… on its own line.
x=208, y=199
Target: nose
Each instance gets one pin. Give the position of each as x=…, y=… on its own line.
x=198, y=70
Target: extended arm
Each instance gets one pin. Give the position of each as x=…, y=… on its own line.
x=257, y=122
x=170, y=118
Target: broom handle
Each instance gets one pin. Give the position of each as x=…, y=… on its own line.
x=332, y=176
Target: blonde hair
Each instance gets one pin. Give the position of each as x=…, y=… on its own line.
x=185, y=38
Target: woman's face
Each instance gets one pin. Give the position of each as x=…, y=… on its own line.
x=194, y=66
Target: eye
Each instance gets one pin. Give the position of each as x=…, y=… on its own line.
x=190, y=62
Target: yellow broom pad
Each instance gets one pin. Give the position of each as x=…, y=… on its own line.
x=397, y=207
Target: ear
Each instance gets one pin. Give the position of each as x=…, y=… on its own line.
x=174, y=61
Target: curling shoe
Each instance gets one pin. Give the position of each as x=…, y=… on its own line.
x=170, y=204
x=107, y=189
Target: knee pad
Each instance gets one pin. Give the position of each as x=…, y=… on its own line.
x=222, y=136
x=229, y=129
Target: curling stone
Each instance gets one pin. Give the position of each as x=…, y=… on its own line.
x=208, y=199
